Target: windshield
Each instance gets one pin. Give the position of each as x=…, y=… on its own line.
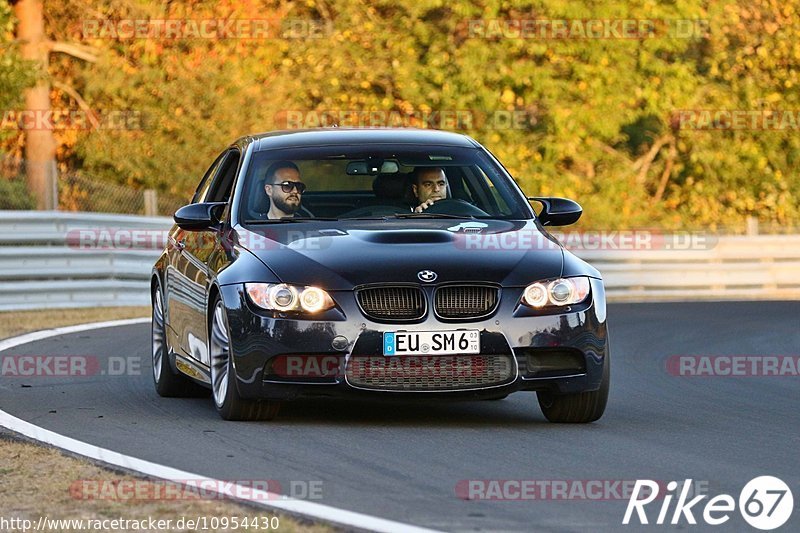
x=336, y=182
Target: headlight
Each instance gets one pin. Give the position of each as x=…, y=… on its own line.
x=559, y=292
x=283, y=297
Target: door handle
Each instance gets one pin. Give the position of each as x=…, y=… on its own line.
x=178, y=244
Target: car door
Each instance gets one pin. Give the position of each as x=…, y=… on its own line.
x=198, y=249
x=180, y=288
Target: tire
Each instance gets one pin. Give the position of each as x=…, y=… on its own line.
x=580, y=408
x=230, y=405
x=168, y=382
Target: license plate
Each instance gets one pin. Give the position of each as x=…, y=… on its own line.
x=431, y=342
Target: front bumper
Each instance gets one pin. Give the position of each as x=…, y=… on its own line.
x=562, y=353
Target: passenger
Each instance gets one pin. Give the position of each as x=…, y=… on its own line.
x=284, y=189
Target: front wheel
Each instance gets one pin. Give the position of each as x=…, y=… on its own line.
x=579, y=408
x=230, y=405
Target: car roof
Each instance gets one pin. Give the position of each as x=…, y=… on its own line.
x=357, y=136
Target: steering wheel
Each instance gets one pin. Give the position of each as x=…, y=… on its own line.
x=455, y=206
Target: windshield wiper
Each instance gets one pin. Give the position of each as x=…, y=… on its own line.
x=287, y=219
x=430, y=215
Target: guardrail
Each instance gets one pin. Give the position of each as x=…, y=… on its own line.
x=731, y=267
x=45, y=263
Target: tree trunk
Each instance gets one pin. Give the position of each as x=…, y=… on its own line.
x=40, y=145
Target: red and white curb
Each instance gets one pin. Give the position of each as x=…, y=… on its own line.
x=276, y=502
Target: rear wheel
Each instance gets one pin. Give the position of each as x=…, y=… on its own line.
x=230, y=405
x=579, y=408
x=168, y=383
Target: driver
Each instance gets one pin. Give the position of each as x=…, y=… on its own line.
x=429, y=185
x=284, y=189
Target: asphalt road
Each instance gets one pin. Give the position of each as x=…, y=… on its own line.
x=404, y=461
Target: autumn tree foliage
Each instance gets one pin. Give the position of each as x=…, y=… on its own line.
x=614, y=122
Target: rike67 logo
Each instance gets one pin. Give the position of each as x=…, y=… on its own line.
x=765, y=503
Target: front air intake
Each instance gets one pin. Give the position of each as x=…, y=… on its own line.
x=392, y=303
x=466, y=301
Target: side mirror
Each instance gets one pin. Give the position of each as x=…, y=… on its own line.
x=199, y=217
x=558, y=211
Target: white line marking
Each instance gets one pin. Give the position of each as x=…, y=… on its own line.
x=47, y=333
x=274, y=501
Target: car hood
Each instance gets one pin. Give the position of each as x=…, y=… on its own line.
x=339, y=255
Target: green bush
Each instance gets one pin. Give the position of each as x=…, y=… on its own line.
x=14, y=195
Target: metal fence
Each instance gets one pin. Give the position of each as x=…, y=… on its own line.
x=76, y=192
x=62, y=259
x=80, y=193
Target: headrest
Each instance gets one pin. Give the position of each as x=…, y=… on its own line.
x=393, y=186
x=258, y=203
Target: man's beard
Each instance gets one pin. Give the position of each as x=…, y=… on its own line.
x=286, y=207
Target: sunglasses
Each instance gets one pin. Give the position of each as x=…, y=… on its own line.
x=287, y=186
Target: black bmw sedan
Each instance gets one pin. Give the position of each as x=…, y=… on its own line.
x=385, y=263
